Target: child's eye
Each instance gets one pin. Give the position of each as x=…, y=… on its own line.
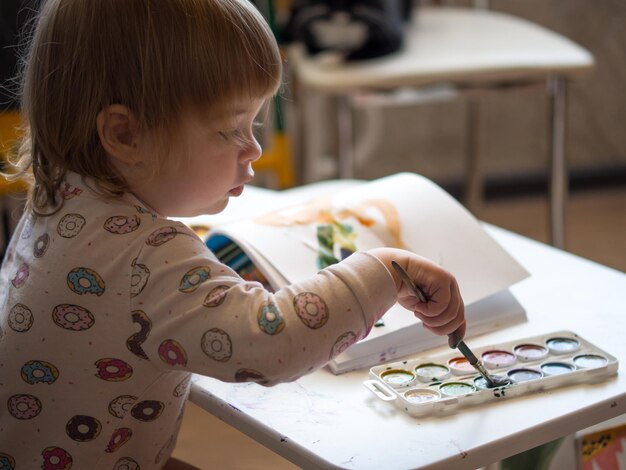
x=238, y=136
x=231, y=134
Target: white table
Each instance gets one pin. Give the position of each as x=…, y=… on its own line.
x=328, y=421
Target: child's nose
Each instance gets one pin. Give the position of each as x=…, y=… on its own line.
x=252, y=151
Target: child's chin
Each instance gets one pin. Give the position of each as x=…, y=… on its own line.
x=216, y=207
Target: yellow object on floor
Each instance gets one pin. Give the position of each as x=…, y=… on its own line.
x=277, y=159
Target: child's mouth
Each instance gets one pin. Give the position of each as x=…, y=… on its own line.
x=236, y=191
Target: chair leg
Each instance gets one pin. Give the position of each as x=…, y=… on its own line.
x=345, y=136
x=557, y=88
x=309, y=134
x=474, y=184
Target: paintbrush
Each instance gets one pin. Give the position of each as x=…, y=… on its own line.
x=492, y=380
x=453, y=338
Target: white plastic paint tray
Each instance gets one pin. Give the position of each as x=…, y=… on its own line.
x=444, y=383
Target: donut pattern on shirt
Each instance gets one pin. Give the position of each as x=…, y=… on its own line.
x=40, y=373
x=81, y=312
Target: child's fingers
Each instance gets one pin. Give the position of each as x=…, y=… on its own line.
x=407, y=299
x=438, y=291
x=454, y=312
x=447, y=316
x=457, y=324
x=444, y=295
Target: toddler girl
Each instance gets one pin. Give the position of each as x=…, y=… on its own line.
x=139, y=110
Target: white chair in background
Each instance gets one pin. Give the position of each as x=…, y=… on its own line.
x=467, y=50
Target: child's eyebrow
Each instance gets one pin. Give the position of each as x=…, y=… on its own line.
x=235, y=113
x=228, y=118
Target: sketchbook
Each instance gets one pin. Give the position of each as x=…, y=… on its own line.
x=282, y=237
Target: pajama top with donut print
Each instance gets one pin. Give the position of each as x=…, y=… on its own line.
x=107, y=308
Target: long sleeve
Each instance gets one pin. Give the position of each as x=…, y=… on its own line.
x=204, y=318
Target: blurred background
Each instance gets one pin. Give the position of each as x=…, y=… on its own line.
x=515, y=140
x=512, y=133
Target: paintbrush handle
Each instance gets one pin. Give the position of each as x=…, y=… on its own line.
x=409, y=282
x=467, y=352
x=473, y=360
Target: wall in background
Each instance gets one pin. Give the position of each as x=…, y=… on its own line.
x=429, y=139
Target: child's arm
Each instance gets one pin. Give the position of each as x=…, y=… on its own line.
x=206, y=319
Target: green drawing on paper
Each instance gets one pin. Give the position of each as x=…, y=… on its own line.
x=336, y=241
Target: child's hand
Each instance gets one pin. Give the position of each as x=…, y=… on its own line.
x=443, y=312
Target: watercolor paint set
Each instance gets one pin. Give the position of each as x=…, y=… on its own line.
x=447, y=382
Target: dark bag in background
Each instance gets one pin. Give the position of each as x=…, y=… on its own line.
x=358, y=29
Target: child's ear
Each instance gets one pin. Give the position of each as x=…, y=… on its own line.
x=119, y=134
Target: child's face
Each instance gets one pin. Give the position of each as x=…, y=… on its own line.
x=209, y=162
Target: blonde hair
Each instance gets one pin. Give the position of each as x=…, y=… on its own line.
x=159, y=58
